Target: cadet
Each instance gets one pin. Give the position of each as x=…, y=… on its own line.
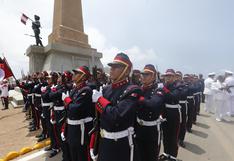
x=148, y=129
x=117, y=108
x=172, y=113
x=80, y=113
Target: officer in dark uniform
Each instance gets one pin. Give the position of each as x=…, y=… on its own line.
x=117, y=108
x=172, y=113
x=201, y=79
x=148, y=127
x=80, y=113
x=38, y=106
x=35, y=124
x=197, y=97
x=59, y=109
x=47, y=110
x=191, y=102
x=36, y=28
x=184, y=106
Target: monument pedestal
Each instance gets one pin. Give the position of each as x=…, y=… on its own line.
x=61, y=57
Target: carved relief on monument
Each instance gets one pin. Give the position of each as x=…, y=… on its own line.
x=78, y=61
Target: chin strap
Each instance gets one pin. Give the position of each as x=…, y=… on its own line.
x=122, y=74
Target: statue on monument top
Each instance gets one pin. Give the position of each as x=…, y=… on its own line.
x=36, y=29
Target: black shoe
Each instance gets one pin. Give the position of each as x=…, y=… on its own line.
x=162, y=157
x=189, y=130
x=48, y=148
x=5, y=108
x=171, y=159
x=41, y=138
x=53, y=153
x=181, y=143
x=32, y=129
x=31, y=123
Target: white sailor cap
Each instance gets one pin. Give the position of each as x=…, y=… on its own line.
x=211, y=74
x=228, y=72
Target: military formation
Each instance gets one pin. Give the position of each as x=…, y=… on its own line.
x=219, y=95
x=89, y=115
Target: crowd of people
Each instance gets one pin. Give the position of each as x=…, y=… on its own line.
x=219, y=94
x=113, y=117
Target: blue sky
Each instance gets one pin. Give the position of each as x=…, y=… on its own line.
x=188, y=35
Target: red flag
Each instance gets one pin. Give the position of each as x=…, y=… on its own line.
x=24, y=18
x=5, y=68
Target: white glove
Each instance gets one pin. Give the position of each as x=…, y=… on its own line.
x=94, y=157
x=65, y=95
x=52, y=122
x=160, y=85
x=42, y=116
x=63, y=137
x=43, y=89
x=96, y=94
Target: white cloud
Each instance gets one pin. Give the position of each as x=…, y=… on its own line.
x=138, y=56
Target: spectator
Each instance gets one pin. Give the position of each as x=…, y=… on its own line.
x=4, y=94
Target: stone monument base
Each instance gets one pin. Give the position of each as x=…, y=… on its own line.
x=61, y=57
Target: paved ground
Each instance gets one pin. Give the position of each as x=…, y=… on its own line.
x=210, y=141
x=14, y=131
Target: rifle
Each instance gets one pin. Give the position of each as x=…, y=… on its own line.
x=32, y=36
x=96, y=122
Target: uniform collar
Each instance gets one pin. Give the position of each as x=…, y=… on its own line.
x=147, y=87
x=81, y=85
x=120, y=83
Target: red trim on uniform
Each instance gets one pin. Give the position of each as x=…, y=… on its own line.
x=119, y=84
x=67, y=100
x=124, y=60
x=81, y=85
x=92, y=141
x=101, y=104
x=53, y=89
x=141, y=99
x=63, y=127
x=166, y=90
x=56, y=137
x=84, y=70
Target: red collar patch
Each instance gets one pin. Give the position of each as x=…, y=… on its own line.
x=119, y=84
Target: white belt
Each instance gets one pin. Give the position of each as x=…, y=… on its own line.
x=153, y=123
x=148, y=123
x=186, y=105
x=30, y=94
x=190, y=97
x=80, y=122
x=177, y=106
x=197, y=93
x=47, y=104
x=58, y=108
x=121, y=134
x=37, y=95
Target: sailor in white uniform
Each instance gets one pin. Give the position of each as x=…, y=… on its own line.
x=229, y=81
x=209, y=93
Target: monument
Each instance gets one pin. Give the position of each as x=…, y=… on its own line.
x=68, y=45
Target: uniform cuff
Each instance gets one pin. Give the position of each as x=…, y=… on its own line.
x=166, y=90
x=67, y=100
x=101, y=104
